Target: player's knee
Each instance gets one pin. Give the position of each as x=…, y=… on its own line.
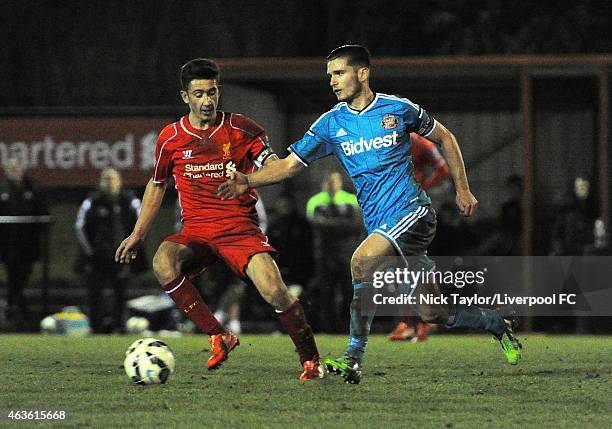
x=357, y=268
x=279, y=297
x=265, y=275
x=276, y=294
x=363, y=263
x=360, y=267
x=165, y=267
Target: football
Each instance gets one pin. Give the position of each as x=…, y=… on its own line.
x=136, y=325
x=48, y=325
x=148, y=361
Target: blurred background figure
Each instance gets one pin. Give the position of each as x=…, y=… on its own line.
x=506, y=237
x=291, y=234
x=20, y=243
x=103, y=220
x=574, y=224
x=335, y=216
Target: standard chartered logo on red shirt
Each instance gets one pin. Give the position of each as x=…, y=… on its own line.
x=213, y=170
x=230, y=168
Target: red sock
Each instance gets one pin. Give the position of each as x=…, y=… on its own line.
x=294, y=322
x=189, y=300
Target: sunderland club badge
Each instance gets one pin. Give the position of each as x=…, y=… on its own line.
x=389, y=122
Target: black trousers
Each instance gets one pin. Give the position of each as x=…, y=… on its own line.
x=18, y=274
x=102, y=309
x=332, y=294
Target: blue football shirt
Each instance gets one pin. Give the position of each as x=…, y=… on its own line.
x=373, y=146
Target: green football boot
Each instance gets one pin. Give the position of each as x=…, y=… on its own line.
x=510, y=344
x=345, y=366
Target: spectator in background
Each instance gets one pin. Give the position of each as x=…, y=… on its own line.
x=334, y=213
x=512, y=209
x=454, y=236
x=506, y=238
x=20, y=245
x=104, y=218
x=292, y=236
x=572, y=230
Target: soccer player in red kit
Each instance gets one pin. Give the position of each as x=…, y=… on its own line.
x=200, y=151
x=430, y=170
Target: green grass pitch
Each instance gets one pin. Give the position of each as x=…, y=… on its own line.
x=449, y=381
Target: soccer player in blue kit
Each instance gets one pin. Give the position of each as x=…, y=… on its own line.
x=369, y=133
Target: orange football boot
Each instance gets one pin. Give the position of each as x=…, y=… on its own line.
x=312, y=370
x=402, y=332
x=220, y=346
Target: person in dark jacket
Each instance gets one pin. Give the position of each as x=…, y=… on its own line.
x=20, y=246
x=334, y=215
x=103, y=219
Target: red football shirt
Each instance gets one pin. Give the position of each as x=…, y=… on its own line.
x=201, y=160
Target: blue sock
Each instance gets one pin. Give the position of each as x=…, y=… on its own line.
x=477, y=318
x=356, y=348
x=360, y=324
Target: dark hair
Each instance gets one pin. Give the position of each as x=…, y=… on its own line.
x=199, y=68
x=356, y=55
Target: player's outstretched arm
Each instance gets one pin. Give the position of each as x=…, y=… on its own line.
x=151, y=202
x=465, y=200
x=275, y=170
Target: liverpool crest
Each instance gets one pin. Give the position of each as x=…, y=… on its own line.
x=226, y=151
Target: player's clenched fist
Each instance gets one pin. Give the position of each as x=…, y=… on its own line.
x=237, y=185
x=126, y=251
x=467, y=203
